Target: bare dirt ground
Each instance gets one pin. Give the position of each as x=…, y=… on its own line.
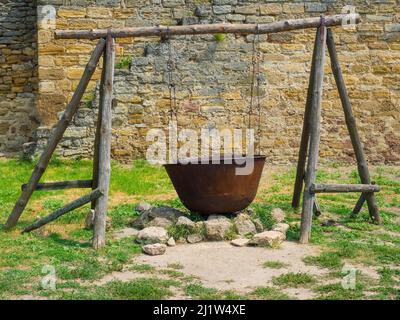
x=225, y=267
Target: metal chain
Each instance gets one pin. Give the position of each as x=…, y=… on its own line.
x=253, y=62
x=256, y=80
x=258, y=136
x=173, y=111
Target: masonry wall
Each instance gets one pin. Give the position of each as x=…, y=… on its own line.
x=18, y=74
x=213, y=75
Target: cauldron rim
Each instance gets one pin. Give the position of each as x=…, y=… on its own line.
x=199, y=161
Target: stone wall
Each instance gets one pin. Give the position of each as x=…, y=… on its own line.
x=18, y=74
x=213, y=75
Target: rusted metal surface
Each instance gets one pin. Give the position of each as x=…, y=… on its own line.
x=215, y=188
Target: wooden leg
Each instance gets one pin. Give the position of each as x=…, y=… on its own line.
x=95, y=175
x=352, y=128
x=358, y=205
x=317, y=208
x=305, y=136
x=99, y=234
x=309, y=197
x=60, y=212
x=56, y=137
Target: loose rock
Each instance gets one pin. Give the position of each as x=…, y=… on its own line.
x=160, y=222
x=240, y=242
x=329, y=223
x=154, y=249
x=251, y=212
x=194, y=238
x=278, y=215
x=153, y=235
x=217, y=228
x=89, y=221
x=268, y=238
x=184, y=221
x=141, y=221
x=143, y=206
x=126, y=233
x=244, y=225
x=171, y=242
x=181, y=241
x=199, y=226
x=215, y=217
x=281, y=227
x=258, y=224
x=165, y=212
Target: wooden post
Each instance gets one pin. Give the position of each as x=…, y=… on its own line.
x=352, y=128
x=60, y=212
x=95, y=175
x=305, y=136
x=56, y=136
x=308, y=197
x=99, y=234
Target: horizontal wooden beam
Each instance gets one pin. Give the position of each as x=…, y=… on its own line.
x=280, y=26
x=337, y=188
x=95, y=194
x=61, y=185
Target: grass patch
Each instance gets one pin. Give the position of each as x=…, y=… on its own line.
x=293, y=280
x=275, y=264
x=330, y=260
x=199, y=292
x=124, y=63
x=337, y=292
x=175, y=265
x=122, y=214
x=269, y=293
x=263, y=212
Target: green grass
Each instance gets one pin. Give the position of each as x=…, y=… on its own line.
x=263, y=212
x=65, y=245
x=269, y=293
x=337, y=292
x=124, y=63
x=293, y=280
x=330, y=260
x=275, y=264
x=198, y=292
x=175, y=265
x=219, y=37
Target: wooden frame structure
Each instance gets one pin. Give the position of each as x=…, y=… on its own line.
x=308, y=153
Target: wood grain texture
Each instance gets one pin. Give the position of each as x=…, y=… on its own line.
x=162, y=31
x=56, y=136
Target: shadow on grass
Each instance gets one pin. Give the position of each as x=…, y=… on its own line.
x=56, y=238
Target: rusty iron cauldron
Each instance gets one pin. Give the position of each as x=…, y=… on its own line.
x=206, y=188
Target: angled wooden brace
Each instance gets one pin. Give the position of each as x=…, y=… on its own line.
x=56, y=136
x=352, y=128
